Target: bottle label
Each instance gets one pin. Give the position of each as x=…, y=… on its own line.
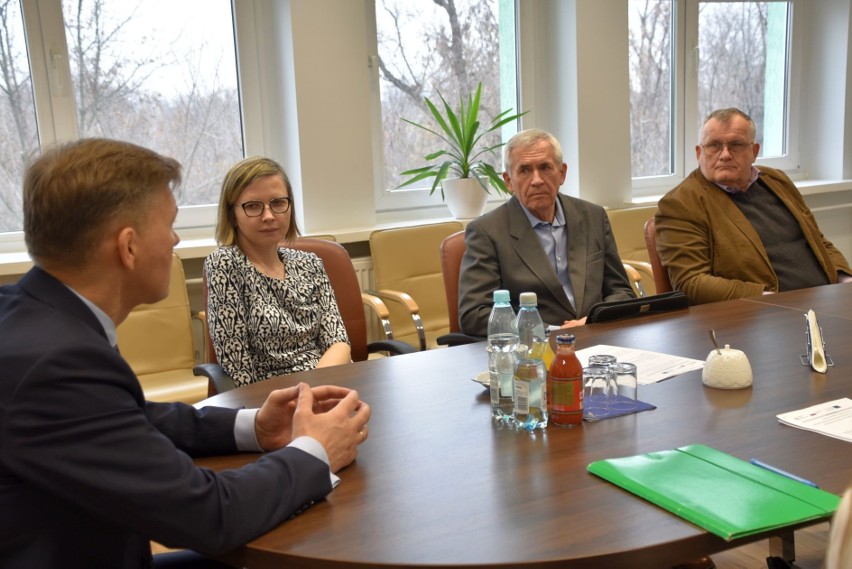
x=566, y=394
x=522, y=396
x=494, y=385
x=566, y=401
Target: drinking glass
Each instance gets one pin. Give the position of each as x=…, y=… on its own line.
x=605, y=360
x=626, y=386
x=597, y=388
x=602, y=360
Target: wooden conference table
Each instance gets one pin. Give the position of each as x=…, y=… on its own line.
x=437, y=484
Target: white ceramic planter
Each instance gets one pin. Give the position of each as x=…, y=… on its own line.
x=465, y=197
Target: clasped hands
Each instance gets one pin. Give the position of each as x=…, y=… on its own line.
x=332, y=415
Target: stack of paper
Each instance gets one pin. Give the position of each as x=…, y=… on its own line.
x=833, y=419
x=651, y=366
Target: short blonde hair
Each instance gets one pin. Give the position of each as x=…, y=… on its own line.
x=239, y=177
x=74, y=193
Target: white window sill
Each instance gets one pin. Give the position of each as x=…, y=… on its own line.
x=197, y=243
x=806, y=188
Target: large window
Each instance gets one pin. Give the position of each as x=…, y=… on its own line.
x=743, y=54
x=689, y=57
x=160, y=74
x=427, y=49
x=18, y=135
x=651, y=96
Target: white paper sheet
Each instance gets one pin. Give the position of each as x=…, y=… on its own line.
x=651, y=366
x=833, y=419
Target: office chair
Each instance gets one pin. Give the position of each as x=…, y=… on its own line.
x=157, y=341
x=218, y=380
x=351, y=301
x=661, y=275
x=628, y=230
x=408, y=277
x=452, y=251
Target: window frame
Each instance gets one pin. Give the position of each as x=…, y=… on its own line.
x=685, y=101
x=56, y=110
x=415, y=202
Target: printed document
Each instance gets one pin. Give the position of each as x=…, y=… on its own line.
x=833, y=419
x=650, y=366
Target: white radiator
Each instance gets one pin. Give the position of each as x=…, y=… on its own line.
x=366, y=279
x=364, y=271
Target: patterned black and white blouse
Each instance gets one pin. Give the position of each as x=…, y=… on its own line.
x=261, y=326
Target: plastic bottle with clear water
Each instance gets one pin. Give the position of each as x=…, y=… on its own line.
x=530, y=391
x=502, y=355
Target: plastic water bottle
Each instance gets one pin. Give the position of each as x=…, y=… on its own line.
x=502, y=356
x=530, y=394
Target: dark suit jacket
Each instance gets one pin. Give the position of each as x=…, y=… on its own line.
x=90, y=472
x=503, y=252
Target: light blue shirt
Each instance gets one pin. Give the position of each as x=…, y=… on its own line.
x=554, y=240
x=245, y=434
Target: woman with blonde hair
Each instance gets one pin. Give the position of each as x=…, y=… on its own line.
x=271, y=310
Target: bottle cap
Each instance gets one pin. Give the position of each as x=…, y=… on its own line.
x=529, y=299
x=565, y=339
x=501, y=296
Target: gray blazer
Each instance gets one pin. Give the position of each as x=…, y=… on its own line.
x=503, y=251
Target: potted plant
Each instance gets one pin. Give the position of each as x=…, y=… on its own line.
x=461, y=163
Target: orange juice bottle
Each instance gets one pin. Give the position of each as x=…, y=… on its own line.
x=565, y=385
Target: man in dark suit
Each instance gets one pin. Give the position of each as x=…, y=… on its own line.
x=540, y=241
x=89, y=471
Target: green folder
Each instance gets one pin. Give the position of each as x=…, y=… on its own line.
x=716, y=491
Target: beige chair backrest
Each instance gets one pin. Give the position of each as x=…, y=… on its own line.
x=409, y=260
x=157, y=342
x=628, y=228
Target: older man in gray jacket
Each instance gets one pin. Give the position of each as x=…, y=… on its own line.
x=559, y=247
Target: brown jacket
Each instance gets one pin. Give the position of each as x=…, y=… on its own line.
x=713, y=253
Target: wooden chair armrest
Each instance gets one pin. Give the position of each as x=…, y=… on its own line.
x=399, y=297
x=376, y=305
x=201, y=316
x=632, y=273
x=641, y=266
x=635, y=278
x=405, y=300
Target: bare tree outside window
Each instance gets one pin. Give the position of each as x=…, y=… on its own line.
x=140, y=78
x=18, y=133
x=426, y=48
x=650, y=42
x=735, y=67
x=742, y=61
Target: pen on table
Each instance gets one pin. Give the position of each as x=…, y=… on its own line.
x=777, y=470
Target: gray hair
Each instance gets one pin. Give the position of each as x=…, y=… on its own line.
x=725, y=116
x=527, y=138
